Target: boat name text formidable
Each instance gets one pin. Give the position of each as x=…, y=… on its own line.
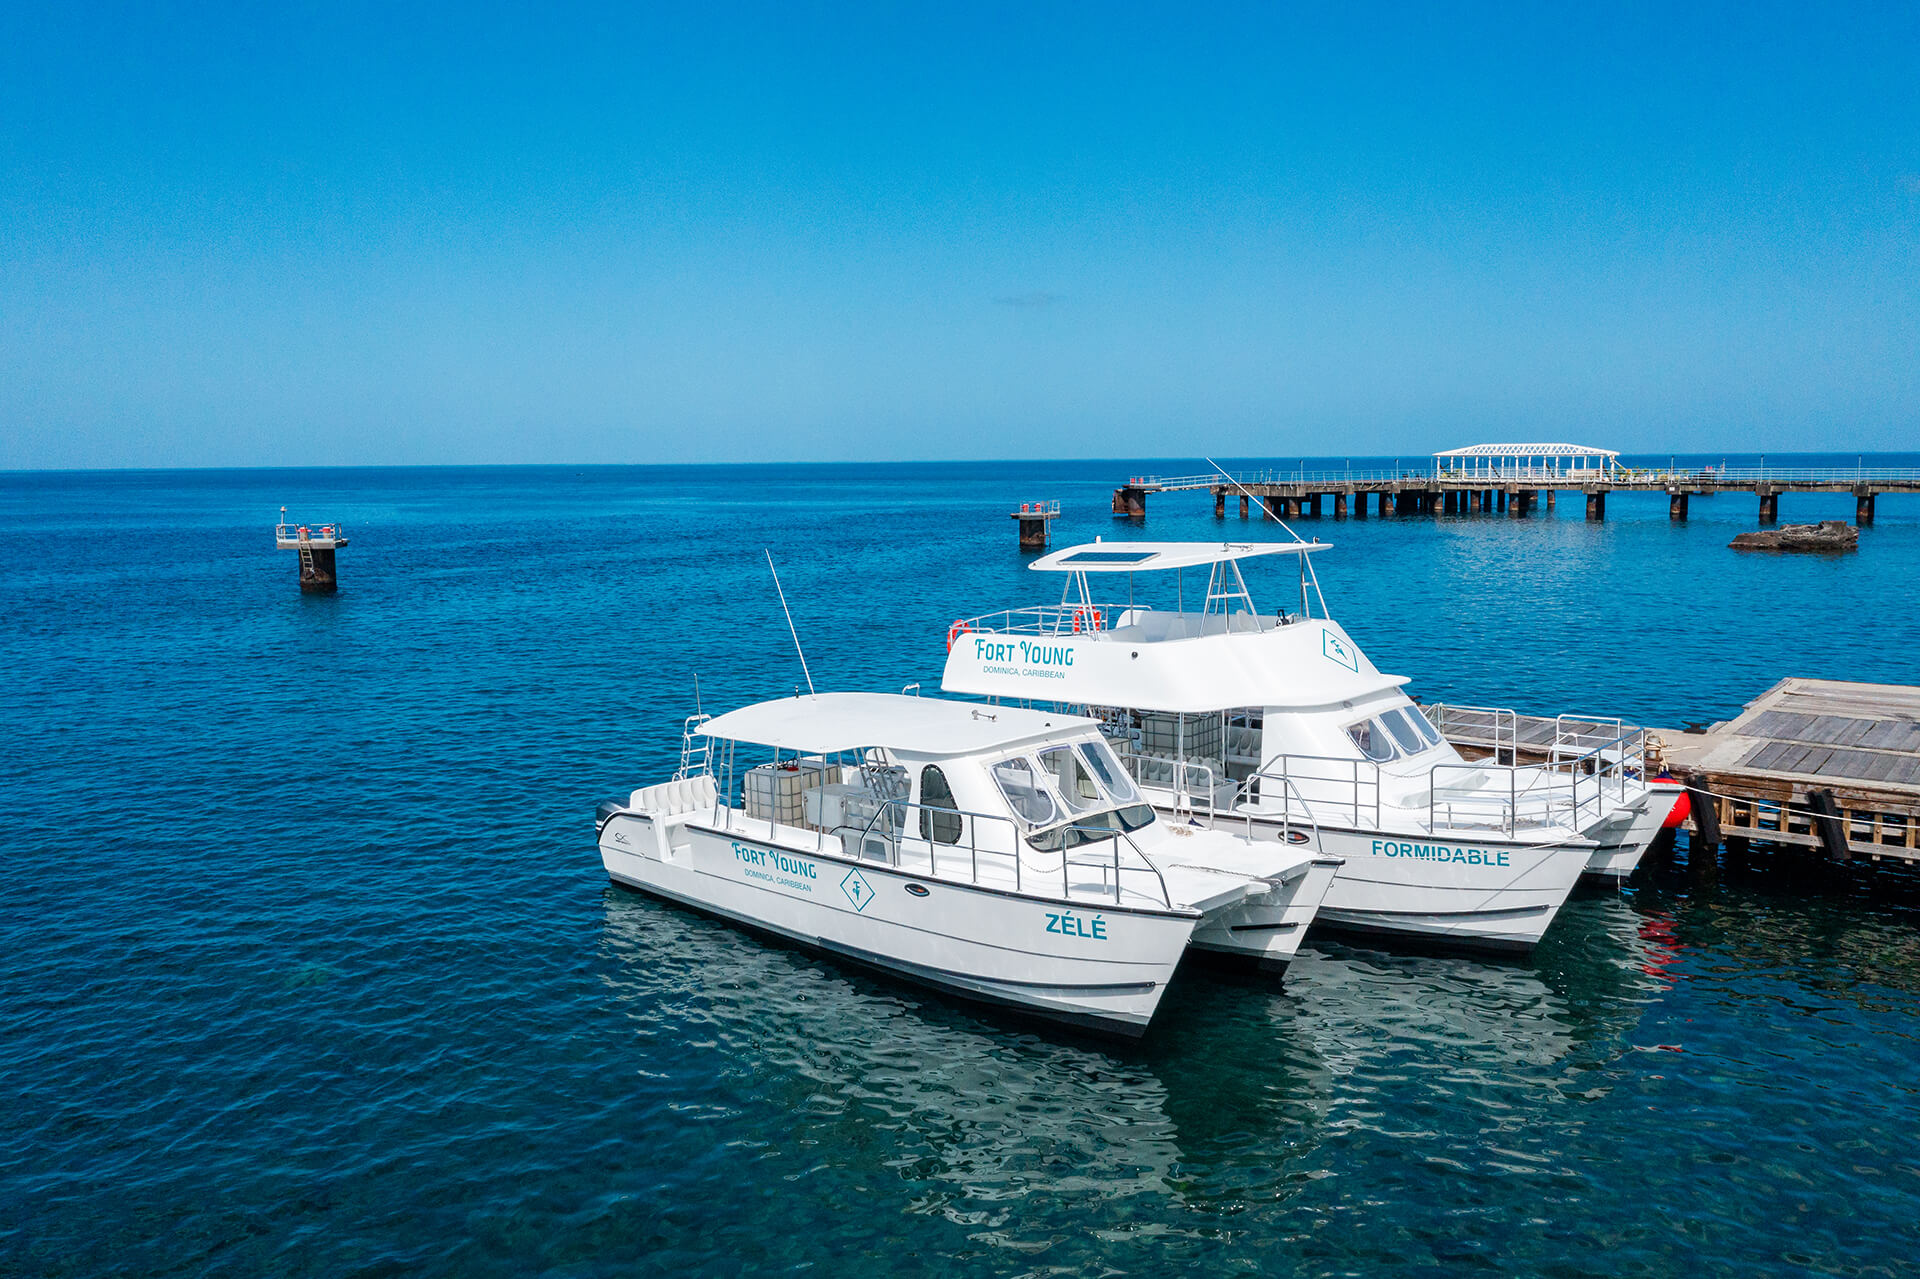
x=1439, y=853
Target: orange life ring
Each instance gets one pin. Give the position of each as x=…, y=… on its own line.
x=1091, y=616
x=955, y=631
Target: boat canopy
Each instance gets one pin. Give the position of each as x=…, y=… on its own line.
x=827, y=723
x=1530, y=450
x=1146, y=557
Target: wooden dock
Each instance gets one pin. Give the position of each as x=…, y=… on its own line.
x=1514, y=492
x=1814, y=764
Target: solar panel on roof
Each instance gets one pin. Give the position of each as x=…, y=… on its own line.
x=1109, y=557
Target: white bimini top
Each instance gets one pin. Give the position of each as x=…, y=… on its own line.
x=825, y=723
x=1154, y=557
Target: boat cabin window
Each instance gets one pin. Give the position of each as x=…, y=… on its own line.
x=936, y=794
x=1073, y=778
x=1372, y=740
x=1411, y=742
x=1024, y=790
x=1106, y=767
x=1421, y=722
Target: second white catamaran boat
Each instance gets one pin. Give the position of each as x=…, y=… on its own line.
x=1268, y=722
x=997, y=853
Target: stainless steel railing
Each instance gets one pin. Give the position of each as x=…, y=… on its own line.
x=893, y=830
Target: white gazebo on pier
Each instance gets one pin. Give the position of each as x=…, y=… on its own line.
x=1495, y=463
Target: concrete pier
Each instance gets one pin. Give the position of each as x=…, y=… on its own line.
x=1515, y=492
x=1036, y=521
x=316, y=545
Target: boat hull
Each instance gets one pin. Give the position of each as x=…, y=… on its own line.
x=1096, y=969
x=1624, y=840
x=1490, y=895
x=1264, y=932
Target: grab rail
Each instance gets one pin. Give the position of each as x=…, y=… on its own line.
x=1048, y=619
x=1343, y=773
x=895, y=810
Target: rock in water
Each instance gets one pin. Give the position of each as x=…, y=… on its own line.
x=1827, y=535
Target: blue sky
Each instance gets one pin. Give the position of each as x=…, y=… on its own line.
x=483, y=233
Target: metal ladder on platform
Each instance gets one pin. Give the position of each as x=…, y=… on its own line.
x=696, y=752
x=306, y=556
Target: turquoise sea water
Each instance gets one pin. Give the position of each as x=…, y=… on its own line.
x=311, y=968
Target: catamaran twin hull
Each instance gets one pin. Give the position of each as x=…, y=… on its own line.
x=1483, y=894
x=1099, y=969
x=1625, y=836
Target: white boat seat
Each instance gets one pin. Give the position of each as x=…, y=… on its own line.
x=669, y=799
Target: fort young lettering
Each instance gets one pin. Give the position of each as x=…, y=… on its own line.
x=1032, y=654
x=1439, y=853
x=767, y=857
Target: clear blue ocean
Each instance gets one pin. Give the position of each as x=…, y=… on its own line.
x=310, y=966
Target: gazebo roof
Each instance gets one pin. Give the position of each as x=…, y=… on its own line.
x=1528, y=450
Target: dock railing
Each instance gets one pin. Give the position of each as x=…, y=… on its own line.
x=1544, y=476
x=288, y=535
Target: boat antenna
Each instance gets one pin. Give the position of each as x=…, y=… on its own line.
x=1306, y=568
x=1222, y=471
x=790, y=630
x=697, y=708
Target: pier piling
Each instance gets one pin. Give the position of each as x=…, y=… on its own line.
x=1036, y=524
x=316, y=545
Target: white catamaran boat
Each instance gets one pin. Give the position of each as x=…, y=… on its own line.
x=1225, y=716
x=996, y=853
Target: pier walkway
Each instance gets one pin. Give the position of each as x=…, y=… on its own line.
x=1512, y=489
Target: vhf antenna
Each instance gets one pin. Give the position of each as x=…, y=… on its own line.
x=796, y=634
x=1306, y=568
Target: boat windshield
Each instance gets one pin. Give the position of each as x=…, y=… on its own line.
x=1100, y=759
x=1080, y=806
x=1372, y=740
x=1021, y=784
x=1425, y=725
x=1072, y=778
x=1411, y=742
x=1093, y=828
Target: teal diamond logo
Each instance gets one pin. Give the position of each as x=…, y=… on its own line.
x=857, y=889
x=1338, y=650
